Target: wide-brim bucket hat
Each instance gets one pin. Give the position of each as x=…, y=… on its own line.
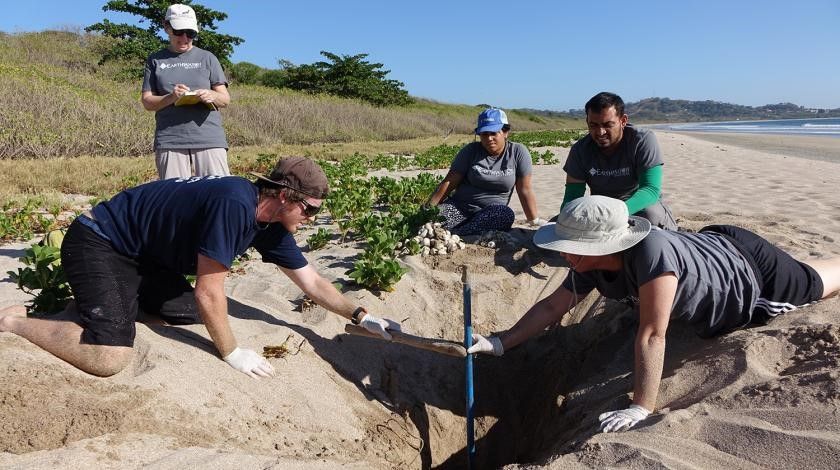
x=593, y=226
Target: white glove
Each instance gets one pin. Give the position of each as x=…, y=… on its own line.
x=486, y=345
x=249, y=362
x=538, y=222
x=622, y=420
x=379, y=326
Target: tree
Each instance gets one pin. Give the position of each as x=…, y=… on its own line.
x=346, y=76
x=134, y=44
x=246, y=73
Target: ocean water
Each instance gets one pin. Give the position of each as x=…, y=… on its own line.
x=823, y=126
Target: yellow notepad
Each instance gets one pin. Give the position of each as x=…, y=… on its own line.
x=190, y=98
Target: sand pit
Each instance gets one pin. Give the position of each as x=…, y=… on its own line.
x=762, y=397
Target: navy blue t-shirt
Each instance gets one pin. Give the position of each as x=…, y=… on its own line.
x=170, y=222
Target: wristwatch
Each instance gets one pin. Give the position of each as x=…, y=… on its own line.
x=357, y=315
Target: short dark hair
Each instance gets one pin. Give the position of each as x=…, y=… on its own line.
x=506, y=128
x=274, y=190
x=605, y=100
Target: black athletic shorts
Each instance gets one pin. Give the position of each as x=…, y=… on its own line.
x=110, y=288
x=785, y=282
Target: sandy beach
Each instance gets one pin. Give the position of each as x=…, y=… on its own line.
x=763, y=397
x=826, y=148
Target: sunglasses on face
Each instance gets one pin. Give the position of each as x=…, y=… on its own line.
x=309, y=210
x=180, y=32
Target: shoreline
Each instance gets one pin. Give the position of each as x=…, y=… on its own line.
x=821, y=148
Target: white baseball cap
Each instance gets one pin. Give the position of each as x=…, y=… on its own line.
x=181, y=17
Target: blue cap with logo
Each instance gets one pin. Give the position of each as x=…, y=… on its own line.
x=491, y=120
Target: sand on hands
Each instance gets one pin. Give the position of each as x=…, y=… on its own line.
x=762, y=397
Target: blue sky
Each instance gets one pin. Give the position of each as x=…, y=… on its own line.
x=537, y=54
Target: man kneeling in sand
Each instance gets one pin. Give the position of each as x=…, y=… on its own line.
x=720, y=279
x=131, y=253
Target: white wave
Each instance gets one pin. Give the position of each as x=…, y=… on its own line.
x=822, y=126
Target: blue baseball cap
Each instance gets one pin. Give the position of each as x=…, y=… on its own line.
x=491, y=120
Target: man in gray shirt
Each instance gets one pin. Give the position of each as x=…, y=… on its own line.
x=718, y=280
x=618, y=160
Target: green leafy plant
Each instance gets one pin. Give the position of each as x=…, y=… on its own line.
x=43, y=277
x=377, y=268
x=554, y=138
x=22, y=222
x=377, y=274
x=319, y=239
x=439, y=156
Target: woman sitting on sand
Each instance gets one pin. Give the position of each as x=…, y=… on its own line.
x=483, y=177
x=718, y=280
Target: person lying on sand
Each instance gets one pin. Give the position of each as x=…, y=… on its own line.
x=483, y=177
x=618, y=160
x=719, y=279
x=131, y=253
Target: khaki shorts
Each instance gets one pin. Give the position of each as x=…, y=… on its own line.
x=183, y=163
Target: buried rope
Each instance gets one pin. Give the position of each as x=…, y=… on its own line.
x=387, y=425
x=417, y=447
x=469, y=367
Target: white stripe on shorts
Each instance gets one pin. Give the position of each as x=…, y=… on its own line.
x=774, y=308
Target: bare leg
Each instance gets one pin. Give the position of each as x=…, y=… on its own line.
x=62, y=338
x=829, y=271
x=14, y=311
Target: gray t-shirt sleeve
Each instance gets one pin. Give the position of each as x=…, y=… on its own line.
x=523, y=160
x=461, y=163
x=573, y=166
x=217, y=74
x=149, y=76
x=648, y=153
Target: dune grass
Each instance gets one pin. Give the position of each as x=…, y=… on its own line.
x=73, y=130
x=58, y=102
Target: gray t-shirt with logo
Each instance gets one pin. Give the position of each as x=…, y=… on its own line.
x=617, y=175
x=185, y=127
x=488, y=180
x=716, y=291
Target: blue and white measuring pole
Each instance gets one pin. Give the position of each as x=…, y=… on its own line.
x=469, y=369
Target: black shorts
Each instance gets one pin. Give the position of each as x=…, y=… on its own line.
x=110, y=289
x=785, y=282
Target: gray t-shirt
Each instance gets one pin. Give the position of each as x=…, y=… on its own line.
x=185, y=127
x=716, y=291
x=488, y=180
x=617, y=175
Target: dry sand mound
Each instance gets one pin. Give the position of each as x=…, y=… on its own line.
x=762, y=397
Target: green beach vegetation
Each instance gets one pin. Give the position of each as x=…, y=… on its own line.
x=71, y=125
x=73, y=132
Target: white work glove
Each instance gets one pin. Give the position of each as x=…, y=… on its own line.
x=538, y=222
x=249, y=362
x=622, y=420
x=379, y=326
x=486, y=345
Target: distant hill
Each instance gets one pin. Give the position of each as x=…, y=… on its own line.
x=668, y=110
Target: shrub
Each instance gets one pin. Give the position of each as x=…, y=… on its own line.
x=43, y=277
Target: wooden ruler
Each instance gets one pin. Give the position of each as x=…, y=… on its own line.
x=443, y=346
